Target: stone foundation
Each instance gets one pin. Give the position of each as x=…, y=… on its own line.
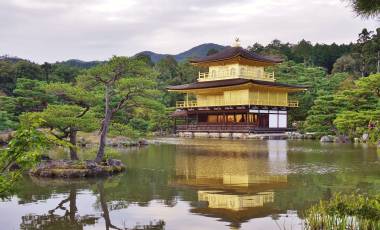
x=268, y=136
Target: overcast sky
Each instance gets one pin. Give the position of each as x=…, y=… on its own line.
x=55, y=30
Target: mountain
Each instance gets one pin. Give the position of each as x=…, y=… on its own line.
x=80, y=63
x=197, y=51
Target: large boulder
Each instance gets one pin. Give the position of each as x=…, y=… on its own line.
x=342, y=139
x=327, y=138
x=114, y=162
x=365, y=137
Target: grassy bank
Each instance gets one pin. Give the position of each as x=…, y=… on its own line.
x=345, y=212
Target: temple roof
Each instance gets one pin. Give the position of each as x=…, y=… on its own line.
x=231, y=82
x=233, y=52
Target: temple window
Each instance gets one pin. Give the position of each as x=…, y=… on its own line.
x=213, y=73
x=232, y=72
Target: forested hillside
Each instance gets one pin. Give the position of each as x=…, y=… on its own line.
x=198, y=51
x=343, y=95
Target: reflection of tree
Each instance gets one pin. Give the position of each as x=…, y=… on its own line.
x=159, y=225
x=106, y=215
x=103, y=204
x=53, y=221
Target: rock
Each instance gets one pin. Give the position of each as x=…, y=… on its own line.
x=327, y=138
x=295, y=135
x=365, y=137
x=5, y=137
x=90, y=164
x=45, y=157
x=378, y=144
x=14, y=167
x=114, y=162
x=342, y=139
x=143, y=142
x=356, y=140
x=310, y=136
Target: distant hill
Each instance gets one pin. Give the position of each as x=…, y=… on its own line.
x=80, y=63
x=11, y=58
x=197, y=51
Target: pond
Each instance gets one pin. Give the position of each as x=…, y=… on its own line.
x=199, y=184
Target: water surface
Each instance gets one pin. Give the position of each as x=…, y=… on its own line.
x=198, y=184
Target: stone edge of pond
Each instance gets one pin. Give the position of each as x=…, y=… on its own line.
x=77, y=169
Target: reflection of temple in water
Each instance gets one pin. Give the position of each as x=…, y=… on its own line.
x=235, y=186
x=206, y=167
x=218, y=199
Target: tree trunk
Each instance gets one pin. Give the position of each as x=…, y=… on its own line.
x=73, y=148
x=104, y=128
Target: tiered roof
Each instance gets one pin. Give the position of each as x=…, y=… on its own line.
x=235, y=52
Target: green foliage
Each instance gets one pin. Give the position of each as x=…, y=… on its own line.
x=119, y=129
x=314, y=77
x=173, y=73
x=139, y=124
x=7, y=77
x=347, y=64
x=366, y=8
x=366, y=51
x=345, y=212
x=73, y=94
x=30, y=96
x=6, y=121
x=29, y=70
x=348, y=111
x=63, y=73
x=321, y=115
x=355, y=124
x=25, y=150
x=371, y=83
x=321, y=55
x=64, y=117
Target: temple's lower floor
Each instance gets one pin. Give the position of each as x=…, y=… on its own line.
x=231, y=119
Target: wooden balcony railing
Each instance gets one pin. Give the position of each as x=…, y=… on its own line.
x=186, y=104
x=264, y=76
x=192, y=104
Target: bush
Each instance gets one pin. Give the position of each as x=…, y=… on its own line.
x=345, y=212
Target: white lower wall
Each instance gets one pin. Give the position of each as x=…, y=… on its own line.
x=273, y=120
x=282, y=121
x=278, y=120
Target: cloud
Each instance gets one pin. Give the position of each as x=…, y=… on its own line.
x=44, y=30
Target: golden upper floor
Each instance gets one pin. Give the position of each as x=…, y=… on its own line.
x=231, y=71
x=235, y=62
x=236, y=92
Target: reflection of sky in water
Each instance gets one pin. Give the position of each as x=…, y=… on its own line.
x=208, y=184
x=176, y=217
